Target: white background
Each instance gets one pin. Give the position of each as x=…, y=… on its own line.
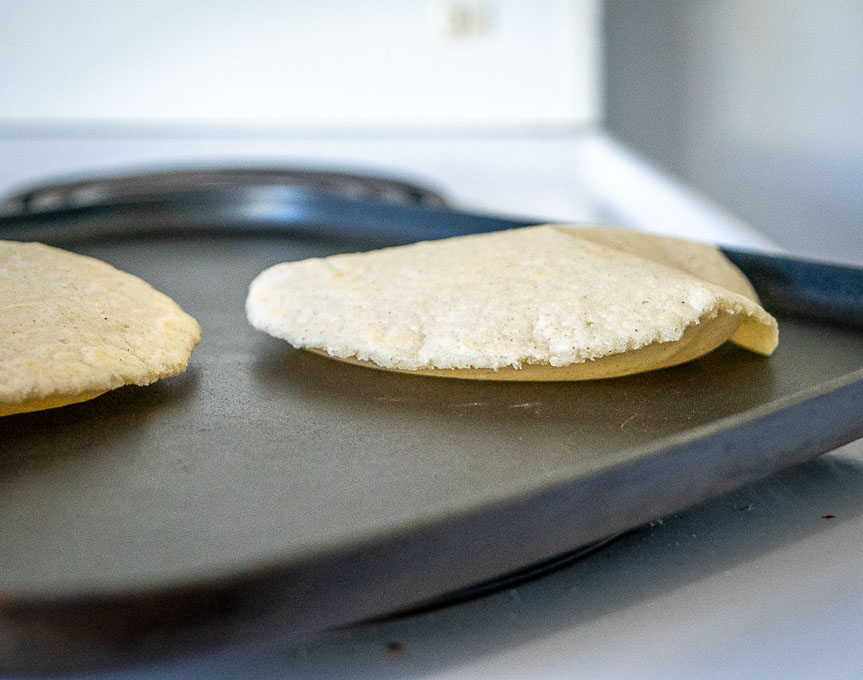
x=301, y=64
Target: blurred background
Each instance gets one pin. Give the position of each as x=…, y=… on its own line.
x=552, y=108
x=758, y=104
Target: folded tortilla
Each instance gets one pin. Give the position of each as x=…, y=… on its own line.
x=538, y=303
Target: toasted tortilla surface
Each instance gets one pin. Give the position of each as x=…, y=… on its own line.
x=74, y=327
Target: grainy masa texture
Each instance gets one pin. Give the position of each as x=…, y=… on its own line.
x=538, y=303
x=73, y=327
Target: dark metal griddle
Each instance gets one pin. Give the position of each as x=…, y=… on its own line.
x=272, y=491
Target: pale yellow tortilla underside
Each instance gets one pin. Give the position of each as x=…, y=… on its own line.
x=540, y=303
x=73, y=327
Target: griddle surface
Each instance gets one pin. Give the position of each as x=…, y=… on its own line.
x=261, y=453
x=265, y=460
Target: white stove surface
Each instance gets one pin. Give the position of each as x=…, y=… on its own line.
x=564, y=177
x=754, y=584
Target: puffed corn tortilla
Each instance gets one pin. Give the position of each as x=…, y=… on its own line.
x=549, y=302
x=73, y=327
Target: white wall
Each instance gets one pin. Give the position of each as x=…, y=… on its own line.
x=325, y=63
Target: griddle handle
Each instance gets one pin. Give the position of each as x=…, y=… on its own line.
x=827, y=292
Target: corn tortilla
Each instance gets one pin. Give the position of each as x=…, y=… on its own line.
x=74, y=327
x=549, y=302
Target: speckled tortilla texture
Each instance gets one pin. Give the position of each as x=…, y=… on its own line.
x=73, y=327
x=500, y=304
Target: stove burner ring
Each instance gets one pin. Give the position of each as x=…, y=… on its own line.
x=144, y=187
